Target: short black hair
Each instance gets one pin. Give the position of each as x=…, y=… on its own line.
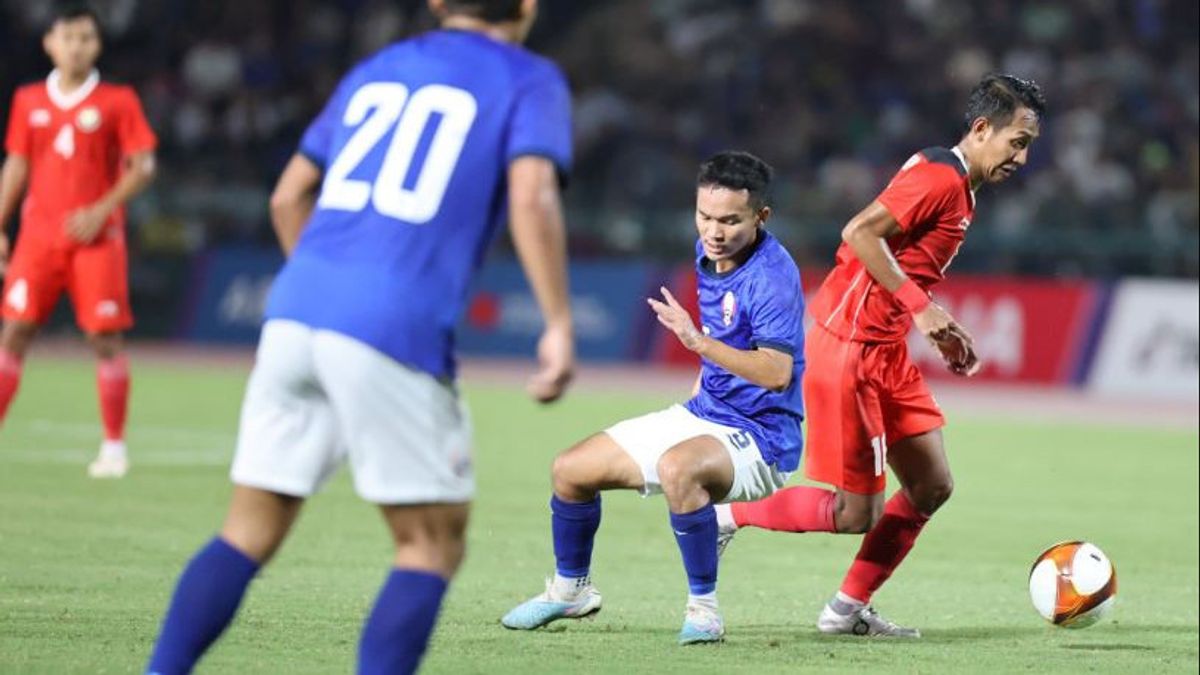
x=737, y=170
x=997, y=97
x=493, y=11
x=73, y=11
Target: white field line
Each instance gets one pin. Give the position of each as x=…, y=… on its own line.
x=137, y=456
x=159, y=433
x=151, y=445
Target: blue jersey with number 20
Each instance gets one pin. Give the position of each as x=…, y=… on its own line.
x=414, y=145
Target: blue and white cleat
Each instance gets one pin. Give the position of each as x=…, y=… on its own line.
x=701, y=625
x=546, y=608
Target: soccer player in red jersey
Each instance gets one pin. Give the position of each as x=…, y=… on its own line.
x=867, y=405
x=83, y=148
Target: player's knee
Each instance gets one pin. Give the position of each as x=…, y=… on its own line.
x=437, y=544
x=566, y=475
x=16, y=337
x=105, y=345
x=929, y=498
x=675, y=474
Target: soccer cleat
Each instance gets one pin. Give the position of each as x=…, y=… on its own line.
x=546, y=608
x=863, y=621
x=112, y=462
x=726, y=527
x=701, y=625
x=724, y=536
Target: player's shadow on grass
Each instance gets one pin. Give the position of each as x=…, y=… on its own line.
x=805, y=632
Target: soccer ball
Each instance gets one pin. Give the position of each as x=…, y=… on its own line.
x=1073, y=584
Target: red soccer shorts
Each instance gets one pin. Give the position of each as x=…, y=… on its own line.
x=95, y=276
x=858, y=397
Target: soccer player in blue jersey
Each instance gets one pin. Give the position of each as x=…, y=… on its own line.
x=738, y=437
x=385, y=213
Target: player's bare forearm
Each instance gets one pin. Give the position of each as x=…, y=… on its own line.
x=293, y=200
x=765, y=367
x=138, y=173
x=12, y=185
x=867, y=234
x=539, y=236
x=768, y=368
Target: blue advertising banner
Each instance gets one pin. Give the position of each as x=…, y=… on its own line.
x=612, y=321
x=608, y=300
x=229, y=288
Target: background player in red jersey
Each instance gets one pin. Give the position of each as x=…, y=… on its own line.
x=867, y=404
x=84, y=148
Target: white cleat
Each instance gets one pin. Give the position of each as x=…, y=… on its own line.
x=724, y=537
x=864, y=621
x=549, y=607
x=726, y=527
x=112, y=462
x=701, y=625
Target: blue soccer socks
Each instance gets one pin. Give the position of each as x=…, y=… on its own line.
x=206, y=598
x=696, y=534
x=574, y=528
x=399, y=627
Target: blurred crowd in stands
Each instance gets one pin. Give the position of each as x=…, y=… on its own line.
x=836, y=95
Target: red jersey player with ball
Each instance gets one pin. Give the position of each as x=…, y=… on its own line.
x=867, y=405
x=84, y=148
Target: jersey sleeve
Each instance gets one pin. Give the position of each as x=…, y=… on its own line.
x=777, y=314
x=317, y=141
x=134, y=134
x=919, y=191
x=541, y=122
x=16, y=141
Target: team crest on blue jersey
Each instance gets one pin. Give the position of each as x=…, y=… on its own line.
x=728, y=308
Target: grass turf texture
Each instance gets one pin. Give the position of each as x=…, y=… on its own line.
x=86, y=567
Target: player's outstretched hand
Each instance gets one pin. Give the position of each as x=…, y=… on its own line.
x=85, y=224
x=556, y=365
x=672, y=315
x=3, y=253
x=958, y=351
x=952, y=341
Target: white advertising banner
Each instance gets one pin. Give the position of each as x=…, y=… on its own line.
x=1151, y=341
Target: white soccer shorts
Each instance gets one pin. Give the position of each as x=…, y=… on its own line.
x=648, y=437
x=317, y=398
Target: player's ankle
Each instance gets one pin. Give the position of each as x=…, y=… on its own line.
x=566, y=589
x=846, y=604
x=705, y=600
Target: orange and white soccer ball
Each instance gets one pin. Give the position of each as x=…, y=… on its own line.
x=1073, y=584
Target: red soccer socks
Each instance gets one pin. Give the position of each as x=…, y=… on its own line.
x=794, y=509
x=10, y=379
x=112, y=384
x=884, y=547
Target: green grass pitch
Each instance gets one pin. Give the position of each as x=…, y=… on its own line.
x=86, y=567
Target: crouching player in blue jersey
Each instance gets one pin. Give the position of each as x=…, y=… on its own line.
x=738, y=437
x=415, y=155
